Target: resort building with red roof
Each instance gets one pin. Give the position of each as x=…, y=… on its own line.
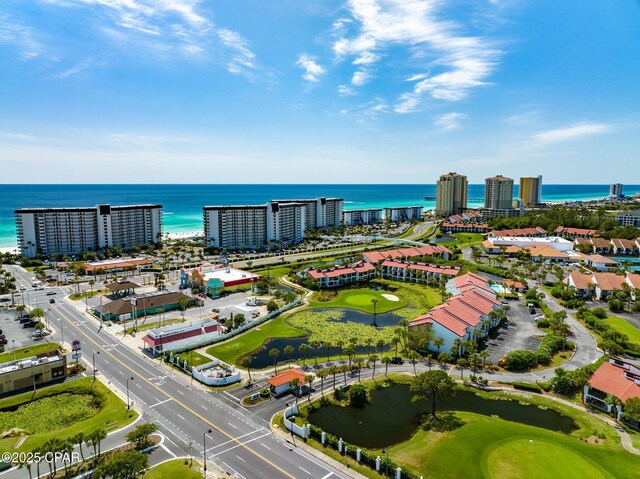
x=410, y=272
x=406, y=253
x=340, y=275
x=601, y=285
x=466, y=315
x=615, y=378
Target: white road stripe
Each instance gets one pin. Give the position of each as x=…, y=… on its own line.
x=265, y=446
x=238, y=445
x=234, y=439
x=232, y=425
x=328, y=475
x=161, y=402
x=304, y=470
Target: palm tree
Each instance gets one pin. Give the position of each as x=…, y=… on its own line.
x=274, y=353
x=484, y=355
x=309, y=379
x=380, y=345
x=322, y=374
x=438, y=342
x=79, y=439
x=333, y=370
x=340, y=344
x=372, y=360
x=386, y=360
x=345, y=369
x=457, y=347
x=294, y=385
x=288, y=350
x=395, y=340
x=303, y=350
x=413, y=357
x=615, y=403
x=368, y=342
x=315, y=345
x=349, y=351
x=359, y=362
x=462, y=363
x=327, y=348
x=245, y=362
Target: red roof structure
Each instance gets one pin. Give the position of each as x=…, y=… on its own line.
x=380, y=256
x=151, y=341
x=619, y=380
x=286, y=378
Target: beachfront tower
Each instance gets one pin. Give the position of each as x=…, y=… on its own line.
x=615, y=191
x=530, y=192
x=451, y=194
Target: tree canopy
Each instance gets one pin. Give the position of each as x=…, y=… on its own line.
x=432, y=385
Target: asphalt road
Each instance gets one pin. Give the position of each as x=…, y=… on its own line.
x=240, y=442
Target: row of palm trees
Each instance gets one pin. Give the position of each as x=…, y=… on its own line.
x=66, y=446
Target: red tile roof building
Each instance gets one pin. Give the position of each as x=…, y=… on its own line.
x=339, y=275
x=407, y=271
x=574, y=233
x=456, y=227
x=429, y=250
x=536, y=232
x=615, y=378
x=465, y=316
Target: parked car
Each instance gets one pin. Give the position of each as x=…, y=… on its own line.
x=397, y=360
x=50, y=293
x=30, y=324
x=52, y=301
x=3, y=341
x=25, y=319
x=215, y=310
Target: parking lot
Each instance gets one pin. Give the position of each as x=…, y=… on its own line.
x=14, y=331
x=516, y=333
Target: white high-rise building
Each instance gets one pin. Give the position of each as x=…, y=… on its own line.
x=362, y=217
x=50, y=231
x=615, y=191
x=451, y=194
x=279, y=221
x=403, y=213
x=498, y=193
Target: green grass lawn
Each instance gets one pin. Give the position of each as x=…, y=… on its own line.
x=486, y=447
x=230, y=351
x=88, y=294
x=27, y=352
x=624, y=327
x=466, y=239
x=173, y=469
x=361, y=299
x=111, y=415
x=147, y=326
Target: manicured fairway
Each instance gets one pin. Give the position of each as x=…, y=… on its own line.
x=361, y=299
x=527, y=458
x=622, y=326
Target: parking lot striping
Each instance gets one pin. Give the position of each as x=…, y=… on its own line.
x=199, y=416
x=304, y=470
x=220, y=453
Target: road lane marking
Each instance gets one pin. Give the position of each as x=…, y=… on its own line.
x=181, y=417
x=179, y=392
x=304, y=470
x=234, y=439
x=265, y=446
x=237, y=473
x=241, y=458
x=328, y=475
x=198, y=415
x=161, y=402
x=220, y=453
x=232, y=425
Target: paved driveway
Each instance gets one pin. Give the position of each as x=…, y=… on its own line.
x=516, y=333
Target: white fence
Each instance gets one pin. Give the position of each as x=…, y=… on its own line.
x=301, y=431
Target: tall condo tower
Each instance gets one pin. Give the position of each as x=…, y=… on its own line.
x=498, y=193
x=451, y=194
x=530, y=191
x=615, y=191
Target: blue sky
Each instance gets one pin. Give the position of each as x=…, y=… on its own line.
x=318, y=91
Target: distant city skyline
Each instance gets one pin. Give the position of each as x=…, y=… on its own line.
x=321, y=91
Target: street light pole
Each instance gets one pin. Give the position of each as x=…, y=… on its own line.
x=128, y=403
x=204, y=451
x=93, y=357
x=13, y=346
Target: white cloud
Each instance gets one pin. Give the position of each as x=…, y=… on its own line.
x=571, y=132
x=20, y=36
x=79, y=68
x=312, y=70
x=455, y=63
x=449, y=121
x=344, y=90
x=242, y=60
x=360, y=77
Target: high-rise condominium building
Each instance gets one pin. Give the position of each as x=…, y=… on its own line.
x=451, y=194
x=498, y=193
x=362, y=217
x=277, y=221
x=615, y=191
x=50, y=231
x=530, y=191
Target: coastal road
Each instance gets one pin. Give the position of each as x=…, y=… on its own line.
x=240, y=442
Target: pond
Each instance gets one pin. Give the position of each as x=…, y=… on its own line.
x=263, y=360
x=392, y=418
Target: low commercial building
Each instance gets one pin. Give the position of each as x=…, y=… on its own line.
x=181, y=336
x=29, y=373
x=282, y=383
x=407, y=253
x=142, y=305
x=116, y=265
x=121, y=289
x=213, y=278
x=229, y=312
x=615, y=378
x=403, y=213
x=554, y=242
x=340, y=275
x=536, y=232
x=362, y=217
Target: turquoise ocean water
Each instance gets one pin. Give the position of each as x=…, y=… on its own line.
x=183, y=203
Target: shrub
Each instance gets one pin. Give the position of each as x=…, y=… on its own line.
x=358, y=395
x=520, y=360
x=533, y=387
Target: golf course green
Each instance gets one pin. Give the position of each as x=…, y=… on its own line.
x=525, y=458
x=362, y=300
